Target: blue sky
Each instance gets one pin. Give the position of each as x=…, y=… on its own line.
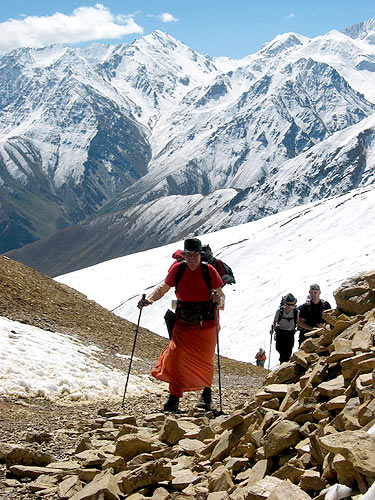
x=216, y=27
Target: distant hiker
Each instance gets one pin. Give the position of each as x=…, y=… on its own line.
x=260, y=357
x=187, y=364
x=221, y=267
x=310, y=315
x=284, y=325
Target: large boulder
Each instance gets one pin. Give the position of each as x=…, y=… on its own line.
x=228, y=440
x=145, y=475
x=173, y=430
x=356, y=446
x=354, y=296
x=105, y=487
x=131, y=445
x=22, y=455
x=288, y=491
x=280, y=437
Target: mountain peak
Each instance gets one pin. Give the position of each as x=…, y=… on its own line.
x=161, y=35
x=158, y=37
x=110, y=127
x=363, y=31
x=284, y=42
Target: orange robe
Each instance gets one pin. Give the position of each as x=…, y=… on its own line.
x=188, y=361
x=187, y=364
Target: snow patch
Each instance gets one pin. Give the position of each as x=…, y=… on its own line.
x=35, y=362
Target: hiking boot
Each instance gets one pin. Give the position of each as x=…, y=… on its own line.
x=205, y=400
x=172, y=403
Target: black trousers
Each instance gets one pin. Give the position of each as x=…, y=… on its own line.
x=284, y=344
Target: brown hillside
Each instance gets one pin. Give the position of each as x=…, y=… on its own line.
x=33, y=298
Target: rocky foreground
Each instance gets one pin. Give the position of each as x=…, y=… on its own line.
x=309, y=432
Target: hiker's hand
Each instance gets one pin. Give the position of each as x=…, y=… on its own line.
x=216, y=298
x=143, y=303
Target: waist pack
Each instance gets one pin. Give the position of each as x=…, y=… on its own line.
x=194, y=313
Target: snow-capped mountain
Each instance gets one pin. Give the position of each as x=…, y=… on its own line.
x=155, y=128
x=362, y=31
x=68, y=142
x=335, y=166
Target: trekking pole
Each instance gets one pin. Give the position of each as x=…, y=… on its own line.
x=132, y=354
x=218, y=355
x=269, y=355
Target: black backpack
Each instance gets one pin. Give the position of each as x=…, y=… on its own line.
x=228, y=276
x=221, y=267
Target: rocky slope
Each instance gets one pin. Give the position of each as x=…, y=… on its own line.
x=54, y=425
x=307, y=433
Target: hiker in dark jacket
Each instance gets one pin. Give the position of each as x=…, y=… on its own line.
x=310, y=315
x=187, y=364
x=284, y=325
x=223, y=269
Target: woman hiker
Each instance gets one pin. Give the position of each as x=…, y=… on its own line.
x=187, y=364
x=284, y=325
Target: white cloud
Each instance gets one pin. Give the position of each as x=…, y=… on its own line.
x=165, y=17
x=290, y=16
x=84, y=24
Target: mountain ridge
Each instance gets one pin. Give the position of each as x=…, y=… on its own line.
x=106, y=236
x=155, y=119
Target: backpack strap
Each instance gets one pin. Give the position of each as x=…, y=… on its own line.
x=281, y=314
x=179, y=274
x=205, y=274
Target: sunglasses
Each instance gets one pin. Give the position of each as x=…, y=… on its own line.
x=290, y=303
